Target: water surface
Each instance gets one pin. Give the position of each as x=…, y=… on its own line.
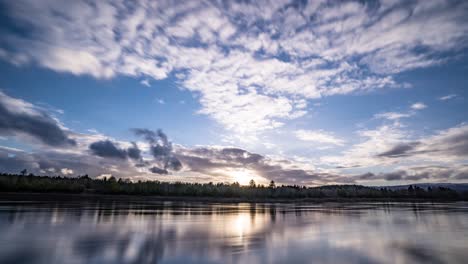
x=183, y=232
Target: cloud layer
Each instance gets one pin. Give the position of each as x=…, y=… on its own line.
x=253, y=64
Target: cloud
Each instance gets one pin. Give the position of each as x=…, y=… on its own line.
x=148, y=135
x=134, y=152
x=393, y=115
x=393, y=176
x=450, y=144
x=447, y=97
x=247, y=62
x=66, y=171
x=399, y=150
x=418, y=106
x=20, y=118
x=318, y=136
x=158, y=170
x=421, y=173
x=224, y=162
x=161, y=149
x=50, y=162
x=145, y=82
x=372, y=143
x=388, y=145
x=107, y=149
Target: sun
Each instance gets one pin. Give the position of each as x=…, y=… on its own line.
x=243, y=176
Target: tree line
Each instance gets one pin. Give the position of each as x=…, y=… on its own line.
x=111, y=185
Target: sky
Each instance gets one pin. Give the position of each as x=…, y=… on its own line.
x=299, y=92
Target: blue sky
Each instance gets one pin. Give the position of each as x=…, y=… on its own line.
x=300, y=92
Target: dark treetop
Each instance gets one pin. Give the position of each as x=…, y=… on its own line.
x=85, y=184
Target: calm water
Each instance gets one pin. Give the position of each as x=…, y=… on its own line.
x=177, y=232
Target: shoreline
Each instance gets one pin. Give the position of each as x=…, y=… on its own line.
x=69, y=197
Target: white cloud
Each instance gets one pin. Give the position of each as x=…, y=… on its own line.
x=447, y=97
x=393, y=115
x=230, y=53
x=374, y=142
x=318, y=136
x=418, y=106
x=66, y=171
x=390, y=145
x=145, y=82
x=19, y=106
x=446, y=145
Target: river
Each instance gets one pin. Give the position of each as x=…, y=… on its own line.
x=201, y=232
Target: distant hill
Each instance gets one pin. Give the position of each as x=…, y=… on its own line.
x=459, y=187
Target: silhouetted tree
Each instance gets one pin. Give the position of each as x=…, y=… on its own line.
x=252, y=183
x=23, y=183
x=272, y=184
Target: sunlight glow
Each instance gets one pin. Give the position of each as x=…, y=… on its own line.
x=242, y=224
x=243, y=176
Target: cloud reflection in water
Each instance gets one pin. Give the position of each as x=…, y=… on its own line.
x=165, y=232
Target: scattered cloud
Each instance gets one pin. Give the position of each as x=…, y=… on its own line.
x=108, y=149
x=161, y=149
x=134, y=152
x=66, y=171
x=51, y=162
x=447, y=145
x=145, y=82
x=447, y=97
x=20, y=118
x=318, y=136
x=224, y=162
x=418, y=106
x=157, y=170
x=393, y=115
x=372, y=143
x=399, y=150
x=248, y=62
x=389, y=145
x=414, y=174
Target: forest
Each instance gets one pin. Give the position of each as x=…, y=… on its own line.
x=87, y=185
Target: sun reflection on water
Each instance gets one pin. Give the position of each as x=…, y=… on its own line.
x=232, y=233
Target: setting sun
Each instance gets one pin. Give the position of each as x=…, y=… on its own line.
x=243, y=176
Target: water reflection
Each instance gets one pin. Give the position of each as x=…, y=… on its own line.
x=178, y=232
